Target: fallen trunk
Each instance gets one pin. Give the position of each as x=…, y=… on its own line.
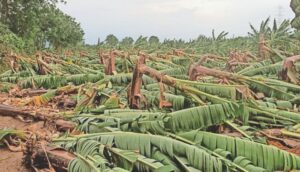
x=197, y=70
x=58, y=158
x=62, y=125
x=135, y=96
x=7, y=110
x=32, y=92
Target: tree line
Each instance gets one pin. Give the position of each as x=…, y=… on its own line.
x=37, y=24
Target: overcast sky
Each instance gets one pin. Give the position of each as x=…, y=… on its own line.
x=171, y=18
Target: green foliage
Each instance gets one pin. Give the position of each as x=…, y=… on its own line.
x=127, y=42
x=65, y=31
x=203, y=116
x=221, y=35
x=9, y=40
x=141, y=42
x=245, y=163
x=295, y=5
x=112, y=41
x=153, y=41
x=4, y=133
x=267, y=157
x=39, y=23
x=275, y=36
x=146, y=144
x=53, y=81
x=193, y=150
x=158, y=123
x=6, y=86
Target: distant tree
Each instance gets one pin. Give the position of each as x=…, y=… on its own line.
x=127, y=42
x=111, y=40
x=295, y=5
x=65, y=32
x=39, y=22
x=202, y=38
x=153, y=41
x=169, y=43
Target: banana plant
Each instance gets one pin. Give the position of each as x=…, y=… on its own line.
x=213, y=152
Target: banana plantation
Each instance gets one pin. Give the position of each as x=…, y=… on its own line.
x=209, y=104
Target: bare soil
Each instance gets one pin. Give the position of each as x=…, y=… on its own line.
x=11, y=161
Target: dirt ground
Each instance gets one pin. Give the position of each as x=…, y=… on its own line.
x=41, y=130
x=11, y=161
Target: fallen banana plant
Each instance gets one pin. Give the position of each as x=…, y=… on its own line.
x=162, y=111
x=213, y=152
